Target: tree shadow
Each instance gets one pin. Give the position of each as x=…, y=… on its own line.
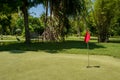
x=114, y=41
x=50, y=47
x=17, y=51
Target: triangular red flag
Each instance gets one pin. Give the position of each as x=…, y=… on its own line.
x=87, y=37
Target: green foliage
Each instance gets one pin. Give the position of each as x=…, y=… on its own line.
x=104, y=13
x=62, y=9
x=16, y=23
x=5, y=17
x=100, y=16
x=77, y=26
x=115, y=23
x=5, y=21
x=36, y=25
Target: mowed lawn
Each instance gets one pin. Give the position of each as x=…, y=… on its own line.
x=45, y=66
x=60, y=61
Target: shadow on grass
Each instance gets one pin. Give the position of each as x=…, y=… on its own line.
x=114, y=41
x=47, y=46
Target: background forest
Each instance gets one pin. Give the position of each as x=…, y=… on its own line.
x=61, y=18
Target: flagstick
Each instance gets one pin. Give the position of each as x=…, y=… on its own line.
x=88, y=66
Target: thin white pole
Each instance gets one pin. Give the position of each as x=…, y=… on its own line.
x=88, y=55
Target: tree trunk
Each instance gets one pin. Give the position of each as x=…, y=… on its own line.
x=103, y=33
x=46, y=13
x=103, y=37
x=45, y=34
x=25, y=12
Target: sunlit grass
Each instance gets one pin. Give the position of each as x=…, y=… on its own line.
x=60, y=60
x=44, y=66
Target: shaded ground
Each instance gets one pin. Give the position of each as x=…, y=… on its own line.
x=70, y=46
x=47, y=46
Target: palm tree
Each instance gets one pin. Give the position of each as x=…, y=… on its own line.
x=60, y=10
x=63, y=9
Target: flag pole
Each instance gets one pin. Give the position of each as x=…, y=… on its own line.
x=86, y=39
x=88, y=65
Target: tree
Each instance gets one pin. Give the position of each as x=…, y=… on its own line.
x=5, y=17
x=69, y=8
x=36, y=25
x=104, y=12
x=24, y=6
x=60, y=10
x=115, y=23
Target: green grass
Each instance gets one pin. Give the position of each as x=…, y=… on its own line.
x=72, y=45
x=60, y=60
x=33, y=65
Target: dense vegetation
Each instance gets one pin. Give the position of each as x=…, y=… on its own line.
x=67, y=17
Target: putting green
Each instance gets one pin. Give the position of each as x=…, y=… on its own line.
x=45, y=66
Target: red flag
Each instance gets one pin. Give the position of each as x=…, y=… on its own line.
x=87, y=37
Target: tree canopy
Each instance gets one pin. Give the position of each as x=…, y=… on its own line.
x=101, y=17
